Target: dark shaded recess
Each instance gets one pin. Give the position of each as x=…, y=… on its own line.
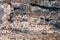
x=9, y=3
x=1, y=21
x=57, y=25
x=11, y=16
x=24, y=13
x=58, y=18
x=51, y=0
x=44, y=7
x=16, y=8
x=3, y=28
x=19, y=31
x=19, y=8
x=11, y=21
x=42, y=18
x=47, y=20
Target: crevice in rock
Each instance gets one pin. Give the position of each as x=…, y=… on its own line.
x=44, y=7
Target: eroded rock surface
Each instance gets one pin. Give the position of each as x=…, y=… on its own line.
x=21, y=21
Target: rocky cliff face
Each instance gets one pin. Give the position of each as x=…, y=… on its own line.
x=29, y=20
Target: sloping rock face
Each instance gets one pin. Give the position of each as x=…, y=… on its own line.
x=21, y=21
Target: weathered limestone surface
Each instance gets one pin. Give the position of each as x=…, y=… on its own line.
x=21, y=21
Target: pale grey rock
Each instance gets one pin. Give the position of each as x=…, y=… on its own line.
x=56, y=4
x=1, y=0
x=36, y=10
x=1, y=12
x=25, y=25
x=22, y=9
x=47, y=3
